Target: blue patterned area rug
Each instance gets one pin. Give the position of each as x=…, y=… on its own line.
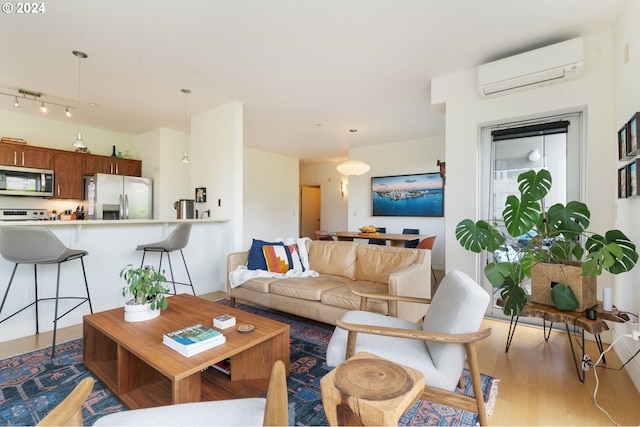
x=32, y=384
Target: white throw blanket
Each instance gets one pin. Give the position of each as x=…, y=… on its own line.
x=242, y=274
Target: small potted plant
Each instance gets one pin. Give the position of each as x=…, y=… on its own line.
x=551, y=238
x=145, y=285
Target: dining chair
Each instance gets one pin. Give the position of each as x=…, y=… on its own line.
x=428, y=244
x=379, y=241
x=438, y=347
x=411, y=243
x=323, y=235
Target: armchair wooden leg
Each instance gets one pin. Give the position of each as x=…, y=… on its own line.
x=351, y=344
x=474, y=370
x=232, y=302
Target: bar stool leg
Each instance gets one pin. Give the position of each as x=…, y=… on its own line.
x=86, y=285
x=188, y=275
x=173, y=280
x=37, y=302
x=55, y=315
x=13, y=273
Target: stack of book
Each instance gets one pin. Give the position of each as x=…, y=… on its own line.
x=193, y=339
x=224, y=321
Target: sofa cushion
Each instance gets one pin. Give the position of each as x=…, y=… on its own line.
x=277, y=258
x=259, y=284
x=335, y=258
x=376, y=263
x=308, y=288
x=344, y=297
x=256, y=260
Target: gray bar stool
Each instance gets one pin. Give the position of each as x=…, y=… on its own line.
x=175, y=241
x=38, y=245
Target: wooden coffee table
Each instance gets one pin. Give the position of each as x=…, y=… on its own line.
x=131, y=360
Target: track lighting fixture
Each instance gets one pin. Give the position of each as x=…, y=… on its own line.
x=30, y=95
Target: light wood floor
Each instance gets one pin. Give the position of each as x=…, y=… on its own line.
x=538, y=382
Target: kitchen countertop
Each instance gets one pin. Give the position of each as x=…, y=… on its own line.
x=110, y=222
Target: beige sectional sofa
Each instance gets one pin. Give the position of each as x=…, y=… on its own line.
x=342, y=267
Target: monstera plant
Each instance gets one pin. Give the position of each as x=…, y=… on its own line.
x=553, y=235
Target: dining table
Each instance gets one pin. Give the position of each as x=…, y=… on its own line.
x=394, y=239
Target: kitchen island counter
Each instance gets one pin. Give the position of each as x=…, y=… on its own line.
x=112, y=246
x=109, y=222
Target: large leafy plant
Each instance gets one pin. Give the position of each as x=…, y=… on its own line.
x=555, y=235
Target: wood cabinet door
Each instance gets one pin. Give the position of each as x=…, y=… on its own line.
x=23, y=155
x=8, y=154
x=129, y=167
x=112, y=165
x=69, y=175
x=36, y=157
x=98, y=164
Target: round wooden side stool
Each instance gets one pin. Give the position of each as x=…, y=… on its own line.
x=368, y=390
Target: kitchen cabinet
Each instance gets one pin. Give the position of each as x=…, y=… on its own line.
x=24, y=155
x=112, y=165
x=69, y=175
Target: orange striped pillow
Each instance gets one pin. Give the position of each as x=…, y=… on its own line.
x=276, y=258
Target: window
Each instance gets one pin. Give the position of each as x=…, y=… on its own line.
x=507, y=150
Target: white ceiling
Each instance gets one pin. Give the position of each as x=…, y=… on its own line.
x=306, y=71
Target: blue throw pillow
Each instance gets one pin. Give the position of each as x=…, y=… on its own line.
x=256, y=256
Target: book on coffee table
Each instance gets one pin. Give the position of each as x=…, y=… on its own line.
x=193, y=339
x=223, y=366
x=224, y=321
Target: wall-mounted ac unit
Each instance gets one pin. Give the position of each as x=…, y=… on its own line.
x=546, y=65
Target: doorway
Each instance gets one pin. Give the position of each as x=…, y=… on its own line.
x=309, y=211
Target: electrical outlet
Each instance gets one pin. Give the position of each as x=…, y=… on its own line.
x=636, y=335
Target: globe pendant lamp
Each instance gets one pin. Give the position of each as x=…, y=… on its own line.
x=353, y=167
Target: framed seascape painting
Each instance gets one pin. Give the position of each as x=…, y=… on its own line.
x=408, y=195
x=632, y=179
x=622, y=183
x=632, y=138
x=622, y=143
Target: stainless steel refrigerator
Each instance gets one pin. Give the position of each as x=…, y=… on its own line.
x=118, y=197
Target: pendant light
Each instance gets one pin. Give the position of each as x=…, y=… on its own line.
x=353, y=167
x=80, y=55
x=185, y=157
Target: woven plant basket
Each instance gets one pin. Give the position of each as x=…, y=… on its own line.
x=544, y=275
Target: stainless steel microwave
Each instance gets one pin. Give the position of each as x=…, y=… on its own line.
x=19, y=181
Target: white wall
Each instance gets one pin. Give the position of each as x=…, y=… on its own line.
x=626, y=90
x=162, y=150
x=397, y=158
x=271, y=201
x=216, y=154
x=333, y=206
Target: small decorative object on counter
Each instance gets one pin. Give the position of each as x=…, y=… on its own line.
x=113, y=153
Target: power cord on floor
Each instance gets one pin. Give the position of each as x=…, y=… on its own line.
x=595, y=373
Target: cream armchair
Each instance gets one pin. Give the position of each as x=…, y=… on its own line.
x=438, y=347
